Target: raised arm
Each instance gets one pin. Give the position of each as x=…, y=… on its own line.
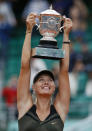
x=24, y=98
x=63, y=97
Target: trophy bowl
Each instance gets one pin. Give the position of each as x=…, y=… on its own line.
x=49, y=27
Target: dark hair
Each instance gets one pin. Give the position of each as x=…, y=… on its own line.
x=43, y=72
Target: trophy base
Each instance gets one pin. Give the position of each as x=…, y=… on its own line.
x=48, y=44
x=47, y=53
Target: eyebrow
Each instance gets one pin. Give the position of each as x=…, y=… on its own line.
x=43, y=77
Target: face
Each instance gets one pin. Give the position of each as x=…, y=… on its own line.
x=44, y=85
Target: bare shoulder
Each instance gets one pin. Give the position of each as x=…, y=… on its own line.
x=60, y=110
x=24, y=107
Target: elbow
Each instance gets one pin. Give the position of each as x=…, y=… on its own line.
x=25, y=58
x=25, y=64
x=25, y=61
x=64, y=70
x=64, y=67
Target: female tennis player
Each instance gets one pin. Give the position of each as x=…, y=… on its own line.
x=43, y=116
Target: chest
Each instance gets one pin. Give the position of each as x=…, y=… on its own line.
x=30, y=123
x=42, y=116
x=40, y=121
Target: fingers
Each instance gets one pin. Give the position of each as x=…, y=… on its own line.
x=67, y=25
x=31, y=18
x=32, y=15
x=64, y=17
x=68, y=22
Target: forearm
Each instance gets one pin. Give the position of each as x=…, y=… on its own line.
x=64, y=63
x=23, y=85
x=26, y=50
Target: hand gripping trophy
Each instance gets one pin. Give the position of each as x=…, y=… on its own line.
x=49, y=27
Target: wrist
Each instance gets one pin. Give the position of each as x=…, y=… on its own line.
x=66, y=32
x=66, y=37
x=67, y=42
x=28, y=31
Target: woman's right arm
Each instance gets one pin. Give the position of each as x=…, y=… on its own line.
x=24, y=98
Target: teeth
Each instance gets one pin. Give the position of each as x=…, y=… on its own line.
x=45, y=87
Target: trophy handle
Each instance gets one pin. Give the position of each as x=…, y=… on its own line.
x=38, y=25
x=62, y=19
x=61, y=28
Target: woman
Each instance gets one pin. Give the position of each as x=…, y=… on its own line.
x=42, y=116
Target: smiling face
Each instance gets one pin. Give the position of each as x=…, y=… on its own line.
x=44, y=85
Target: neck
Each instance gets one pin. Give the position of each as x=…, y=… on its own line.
x=43, y=103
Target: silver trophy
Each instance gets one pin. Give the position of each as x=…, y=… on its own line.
x=49, y=27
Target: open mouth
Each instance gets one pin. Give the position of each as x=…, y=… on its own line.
x=46, y=88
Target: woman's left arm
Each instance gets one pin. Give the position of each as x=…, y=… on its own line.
x=62, y=100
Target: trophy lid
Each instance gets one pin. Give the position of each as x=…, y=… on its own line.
x=50, y=11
